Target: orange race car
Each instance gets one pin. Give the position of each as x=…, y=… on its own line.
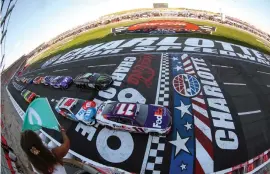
x=38, y=80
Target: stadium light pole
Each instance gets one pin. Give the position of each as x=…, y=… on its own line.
x=2, y=5
x=2, y=60
x=7, y=14
x=3, y=35
x=4, y=28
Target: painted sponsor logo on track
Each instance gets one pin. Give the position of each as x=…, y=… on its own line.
x=159, y=44
x=204, y=129
x=186, y=85
x=142, y=71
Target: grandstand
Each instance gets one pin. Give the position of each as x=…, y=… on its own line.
x=160, y=12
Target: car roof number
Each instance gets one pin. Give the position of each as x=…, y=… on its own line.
x=125, y=109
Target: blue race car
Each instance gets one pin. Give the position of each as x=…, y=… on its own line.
x=77, y=110
x=47, y=80
x=62, y=82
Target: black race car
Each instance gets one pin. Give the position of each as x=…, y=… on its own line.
x=93, y=80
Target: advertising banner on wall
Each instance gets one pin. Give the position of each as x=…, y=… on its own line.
x=164, y=27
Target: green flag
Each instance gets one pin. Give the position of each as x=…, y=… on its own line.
x=39, y=114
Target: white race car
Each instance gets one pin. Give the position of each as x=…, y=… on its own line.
x=77, y=110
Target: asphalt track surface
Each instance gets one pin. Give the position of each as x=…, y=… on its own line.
x=245, y=87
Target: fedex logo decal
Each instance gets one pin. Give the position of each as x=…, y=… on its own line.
x=158, y=115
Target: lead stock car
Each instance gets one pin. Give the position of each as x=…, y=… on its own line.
x=77, y=110
x=135, y=117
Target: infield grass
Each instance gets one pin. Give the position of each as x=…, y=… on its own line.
x=103, y=34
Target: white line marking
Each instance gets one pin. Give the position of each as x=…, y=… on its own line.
x=186, y=62
x=203, y=127
x=249, y=112
x=268, y=86
x=239, y=84
x=204, y=158
x=223, y=66
x=198, y=100
x=150, y=138
x=102, y=65
x=200, y=110
x=263, y=72
x=60, y=70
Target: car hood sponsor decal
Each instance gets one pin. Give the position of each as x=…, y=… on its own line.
x=157, y=117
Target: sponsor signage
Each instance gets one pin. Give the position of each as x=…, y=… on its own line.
x=161, y=44
x=164, y=27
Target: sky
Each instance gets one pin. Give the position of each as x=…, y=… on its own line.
x=33, y=22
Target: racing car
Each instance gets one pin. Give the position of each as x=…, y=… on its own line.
x=93, y=80
x=17, y=78
x=77, y=110
x=29, y=80
x=62, y=82
x=23, y=79
x=135, y=117
x=37, y=80
x=47, y=80
x=28, y=95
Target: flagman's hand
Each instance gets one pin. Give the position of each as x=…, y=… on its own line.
x=62, y=150
x=62, y=129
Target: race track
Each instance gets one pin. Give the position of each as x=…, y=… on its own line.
x=220, y=106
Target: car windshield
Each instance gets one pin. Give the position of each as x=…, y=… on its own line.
x=141, y=114
x=94, y=77
x=59, y=79
x=87, y=75
x=28, y=94
x=55, y=79
x=102, y=77
x=109, y=108
x=78, y=106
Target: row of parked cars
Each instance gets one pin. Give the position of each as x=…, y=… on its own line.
x=132, y=117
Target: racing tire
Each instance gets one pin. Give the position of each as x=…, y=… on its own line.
x=155, y=134
x=109, y=127
x=97, y=87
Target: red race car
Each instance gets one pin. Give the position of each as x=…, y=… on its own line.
x=37, y=80
x=28, y=95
